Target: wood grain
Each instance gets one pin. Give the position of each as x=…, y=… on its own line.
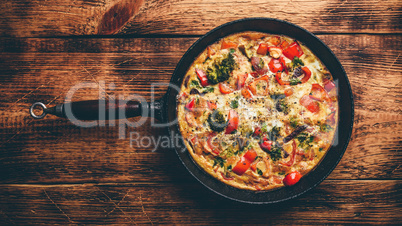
x=55, y=173
x=22, y=18
x=334, y=202
x=55, y=151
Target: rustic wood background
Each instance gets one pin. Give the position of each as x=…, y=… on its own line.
x=53, y=172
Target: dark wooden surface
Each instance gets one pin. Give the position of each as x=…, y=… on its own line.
x=53, y=172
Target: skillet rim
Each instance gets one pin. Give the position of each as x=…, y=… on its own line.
x=308, y=181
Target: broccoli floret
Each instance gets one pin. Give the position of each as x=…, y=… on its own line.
x=217, y=121
x=221, y=69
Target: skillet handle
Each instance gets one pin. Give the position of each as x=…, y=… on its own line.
x=99, y=109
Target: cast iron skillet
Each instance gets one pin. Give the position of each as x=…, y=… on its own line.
x=165, y=110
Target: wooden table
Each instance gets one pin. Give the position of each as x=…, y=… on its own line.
x=53, y=172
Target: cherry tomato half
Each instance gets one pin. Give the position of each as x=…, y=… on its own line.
x=292, y=178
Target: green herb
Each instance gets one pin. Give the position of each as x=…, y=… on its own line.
x=264, y=128
x=320, y=149
x=281, y=173
x=195, y=84
x=274, y=133
x=305, y=140
x=221, y=69
x=227, y=153
x=219, y=160
x=229, y=168
x=302, y=137
x=325, y=128
x=294, y=81
x=297, y=62
x=294, y=122
x=276, y=153
x=209, y=89
x=232, y=50
x=217, y=121
x=284, y=106
x=259, y=171
x=234, y=104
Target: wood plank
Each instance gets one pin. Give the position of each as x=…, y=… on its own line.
x=333, y=202
x=22, y=18
x=55, y=151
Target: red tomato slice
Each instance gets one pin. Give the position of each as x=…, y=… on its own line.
x=190, y=105
x=202, y=76
x=224, y=88
x=305, y=100
x=241, y=80
x=266, y=145
x=262, y=49
x=233, y=122
x=241, y=166
x=328, y=85
x=246, y=93
x=275, y=65
x=292, y=51
x=313, y=107
x=318, y=93
x=228, y=44
x=292, y=178
x=250, y=155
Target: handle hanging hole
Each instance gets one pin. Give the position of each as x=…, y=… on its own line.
x=38, y=105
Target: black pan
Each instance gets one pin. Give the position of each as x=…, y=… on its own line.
x=165, y=109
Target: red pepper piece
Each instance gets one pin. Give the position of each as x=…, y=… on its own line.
x=241, y=166
x=202, y=76
x=278, y=77
x=253, y=85
x=250, y=155
x=292, y=51
x=228, y=44
x=275, y=65
x=307, y=74
x=262, y=49
x=233, y=122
